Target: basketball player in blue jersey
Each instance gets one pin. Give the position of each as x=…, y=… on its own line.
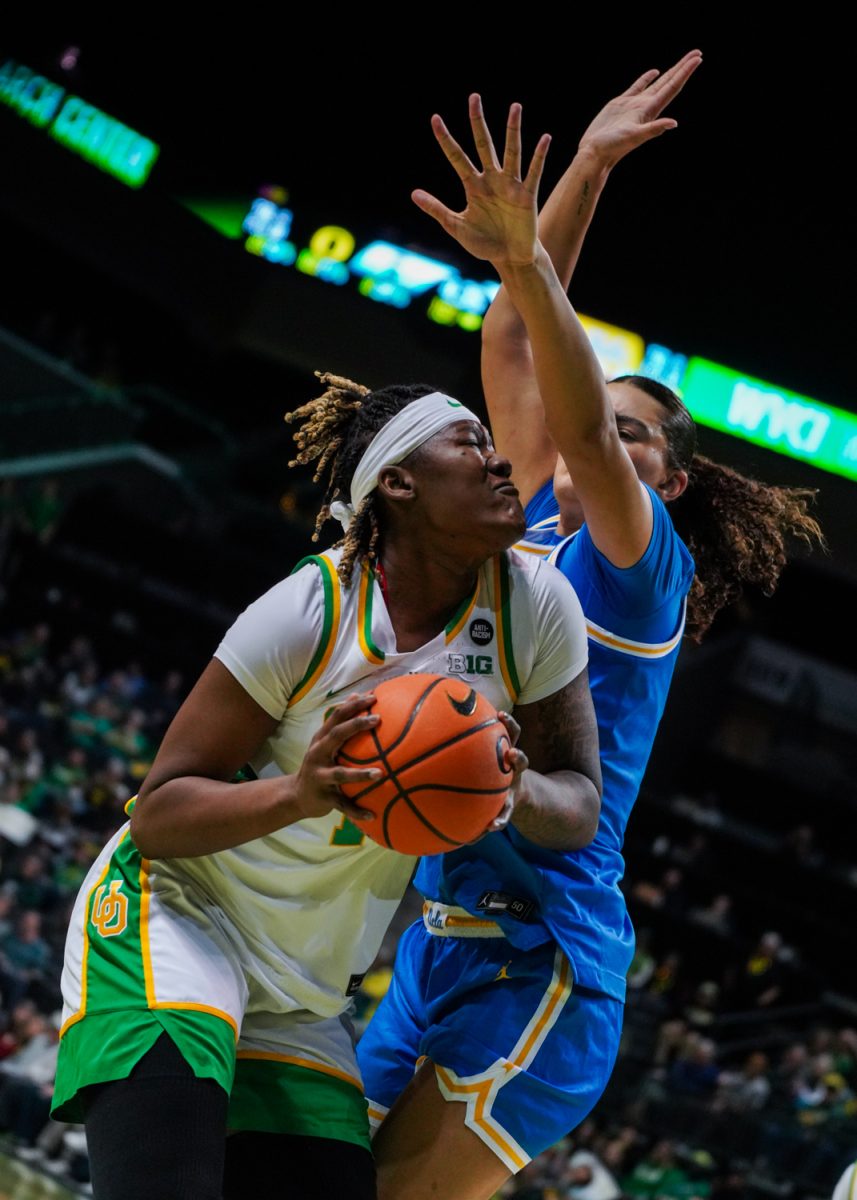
x=517, y=1056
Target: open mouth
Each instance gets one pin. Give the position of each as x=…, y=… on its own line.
x=508, y=488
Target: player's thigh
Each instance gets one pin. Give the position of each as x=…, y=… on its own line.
x=519, y=1058
x=158, y=1132
x=424, y=1149
x=297, y=1166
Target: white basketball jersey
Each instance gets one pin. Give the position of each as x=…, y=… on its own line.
x=307, y=906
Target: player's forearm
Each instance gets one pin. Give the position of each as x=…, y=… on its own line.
x=565, y=219
x=559, y=811
x=191, y=816
x=570, y=379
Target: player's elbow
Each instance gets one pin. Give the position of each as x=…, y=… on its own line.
x=589, y=817
x=594, y=437
x=144, y=833
x=562, y=814
x=581, y=824
x=148, y=830
x=502, y=327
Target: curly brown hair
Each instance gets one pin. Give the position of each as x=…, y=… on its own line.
x=736, y=528
x=335, y=430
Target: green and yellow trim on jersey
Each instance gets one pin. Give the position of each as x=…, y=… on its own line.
x=330, y=626
x=459, y=617
x=365, y=598
x=503, y=617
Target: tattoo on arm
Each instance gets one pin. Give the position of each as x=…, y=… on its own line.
x=562, y=734
x=563, y=786
x=584, y=197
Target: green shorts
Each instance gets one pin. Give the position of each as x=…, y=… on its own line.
x=267, y=1092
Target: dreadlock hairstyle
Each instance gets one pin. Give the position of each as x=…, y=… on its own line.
x=335, y=430
x=736, y=528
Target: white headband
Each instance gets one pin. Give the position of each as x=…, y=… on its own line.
x=409, y=428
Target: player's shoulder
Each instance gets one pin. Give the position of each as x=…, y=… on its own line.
x=535, y=571
x=320, y=565
x=308, y=587
x=663, y=528
x=540, y=579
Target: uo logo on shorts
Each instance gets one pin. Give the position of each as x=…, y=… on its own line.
x=110, y=909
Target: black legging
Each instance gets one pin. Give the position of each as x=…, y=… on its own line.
x=159, y=1135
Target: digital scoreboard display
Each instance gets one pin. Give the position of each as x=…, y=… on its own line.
x=720, y=397
x=82, y=128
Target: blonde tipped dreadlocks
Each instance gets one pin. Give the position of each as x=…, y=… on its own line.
x=335, y=430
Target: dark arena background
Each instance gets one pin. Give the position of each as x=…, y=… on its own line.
x=187, y=231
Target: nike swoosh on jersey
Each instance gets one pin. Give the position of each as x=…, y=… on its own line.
x=347, y=686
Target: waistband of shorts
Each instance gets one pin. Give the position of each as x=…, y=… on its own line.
x=446, y=920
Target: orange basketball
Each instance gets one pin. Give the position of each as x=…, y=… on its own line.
x=442, y=749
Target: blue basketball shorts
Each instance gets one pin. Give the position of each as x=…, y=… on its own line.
x=510, y=1037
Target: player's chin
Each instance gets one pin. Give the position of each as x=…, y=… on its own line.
x=510, y=525
x=514, y=515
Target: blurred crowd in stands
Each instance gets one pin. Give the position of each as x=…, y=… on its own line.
x=731, y=1072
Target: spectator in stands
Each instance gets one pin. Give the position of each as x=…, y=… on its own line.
x=33, y=887
x=665, y=978
x=702, y=1010
x=79, y=686
x=668, y=894
x=8, y=901
x=658, y=1174
x=27, y=1077
x=746, y=1090
x=760, y=983
x=716, y=916
x=588, y=1178
x=789, y=1076
x=845, y=1054
x=16, y=1024
x=694, y=1072
x=25, y=957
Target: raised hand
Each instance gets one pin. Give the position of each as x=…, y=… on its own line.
x=634, y=117
x=499, y=221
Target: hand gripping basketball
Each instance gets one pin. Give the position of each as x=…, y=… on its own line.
x=445, y=760
x=320, y=776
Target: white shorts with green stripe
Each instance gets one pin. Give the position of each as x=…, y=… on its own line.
x=135, y=968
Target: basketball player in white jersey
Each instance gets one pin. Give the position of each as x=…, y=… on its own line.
x=217, y=941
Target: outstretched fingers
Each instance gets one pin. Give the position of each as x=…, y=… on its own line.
x=461, y=164
x=512, y=153
x=431, y=205
x=481, y=135
x=640, y=85
x=672, y=81
x=537, y=166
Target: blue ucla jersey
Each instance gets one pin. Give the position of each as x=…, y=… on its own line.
x=635, y=621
